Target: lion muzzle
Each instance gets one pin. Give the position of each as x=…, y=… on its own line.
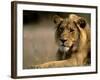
x=63, y=48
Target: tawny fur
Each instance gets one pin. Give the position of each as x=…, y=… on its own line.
x=78, y=57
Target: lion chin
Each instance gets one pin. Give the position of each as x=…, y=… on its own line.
x=64, y=49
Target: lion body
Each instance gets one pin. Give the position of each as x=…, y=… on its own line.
x=73, y=38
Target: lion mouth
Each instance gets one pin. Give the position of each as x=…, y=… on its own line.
x=64, y=48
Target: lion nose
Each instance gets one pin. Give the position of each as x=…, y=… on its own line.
x=63, y=40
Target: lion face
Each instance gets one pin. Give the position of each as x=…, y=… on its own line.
x=67, y=33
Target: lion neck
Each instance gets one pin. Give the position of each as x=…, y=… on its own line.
x=83, y=47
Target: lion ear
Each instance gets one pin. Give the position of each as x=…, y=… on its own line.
x=81, y=22
x=57, y=19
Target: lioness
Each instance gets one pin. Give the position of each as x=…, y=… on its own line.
x=73, y=38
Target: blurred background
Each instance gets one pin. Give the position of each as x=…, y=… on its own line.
x=39, y=36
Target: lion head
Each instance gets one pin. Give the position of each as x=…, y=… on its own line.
x=70, y=32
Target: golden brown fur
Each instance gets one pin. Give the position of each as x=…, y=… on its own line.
x=73, y=38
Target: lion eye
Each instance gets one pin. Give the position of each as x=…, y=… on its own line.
x=61, y=29
x=71, y=30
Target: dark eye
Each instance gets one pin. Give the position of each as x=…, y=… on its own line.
x=71, y=30
x=61, y=29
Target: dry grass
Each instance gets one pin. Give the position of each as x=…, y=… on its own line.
x=39, y=45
